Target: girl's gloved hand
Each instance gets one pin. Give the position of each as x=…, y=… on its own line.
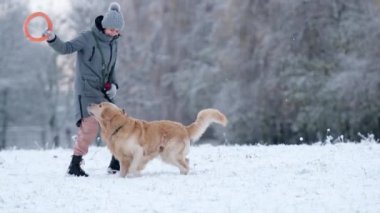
x=50, y=35
x=111, y=93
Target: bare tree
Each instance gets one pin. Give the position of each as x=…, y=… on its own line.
x=4, y=118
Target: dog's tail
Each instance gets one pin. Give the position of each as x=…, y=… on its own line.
x=204, y=119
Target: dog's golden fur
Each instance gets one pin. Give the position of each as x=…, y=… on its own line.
x=135, y=142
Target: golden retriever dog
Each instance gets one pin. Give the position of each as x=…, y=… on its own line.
x=135, y=142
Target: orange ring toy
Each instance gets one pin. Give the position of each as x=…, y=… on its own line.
x=26, y=26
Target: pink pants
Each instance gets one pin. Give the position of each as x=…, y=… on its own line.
x=87, y=133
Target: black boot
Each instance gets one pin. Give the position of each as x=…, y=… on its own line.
x=114, y=166
x=74, y=168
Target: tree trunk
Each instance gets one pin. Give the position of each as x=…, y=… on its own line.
x=4, y=124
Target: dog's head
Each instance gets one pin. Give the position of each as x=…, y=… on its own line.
x=107, y=114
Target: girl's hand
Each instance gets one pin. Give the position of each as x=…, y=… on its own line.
x=50, y=35
x=111, y=93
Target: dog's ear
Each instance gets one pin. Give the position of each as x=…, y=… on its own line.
x=105, y=118
x=106, y=114
x=117, y=120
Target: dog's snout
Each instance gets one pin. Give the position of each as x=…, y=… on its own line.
x=90, y=107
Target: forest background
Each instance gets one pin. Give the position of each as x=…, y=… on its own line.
x=283, y=71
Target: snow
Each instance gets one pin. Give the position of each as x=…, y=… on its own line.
x=344, y=177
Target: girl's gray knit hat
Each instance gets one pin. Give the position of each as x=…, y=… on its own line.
x=113, y=17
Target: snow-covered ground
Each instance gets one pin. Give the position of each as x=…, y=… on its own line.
x=344, y=177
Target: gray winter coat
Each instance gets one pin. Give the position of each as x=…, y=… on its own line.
x=90, y=76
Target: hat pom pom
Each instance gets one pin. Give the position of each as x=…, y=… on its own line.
x=114, y=6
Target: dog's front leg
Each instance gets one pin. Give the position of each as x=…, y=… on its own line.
x=143, y=162
x=137, y=157
x=124, y=167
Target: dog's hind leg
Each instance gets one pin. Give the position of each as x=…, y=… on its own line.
x=176, y=157
x=184, y=162
x=172, y=160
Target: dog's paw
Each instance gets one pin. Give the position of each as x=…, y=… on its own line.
x=134, y=175
x=185, y=172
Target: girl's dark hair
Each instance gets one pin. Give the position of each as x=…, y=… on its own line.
x=98, y=23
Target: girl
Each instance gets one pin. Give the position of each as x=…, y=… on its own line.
x=94, y=77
